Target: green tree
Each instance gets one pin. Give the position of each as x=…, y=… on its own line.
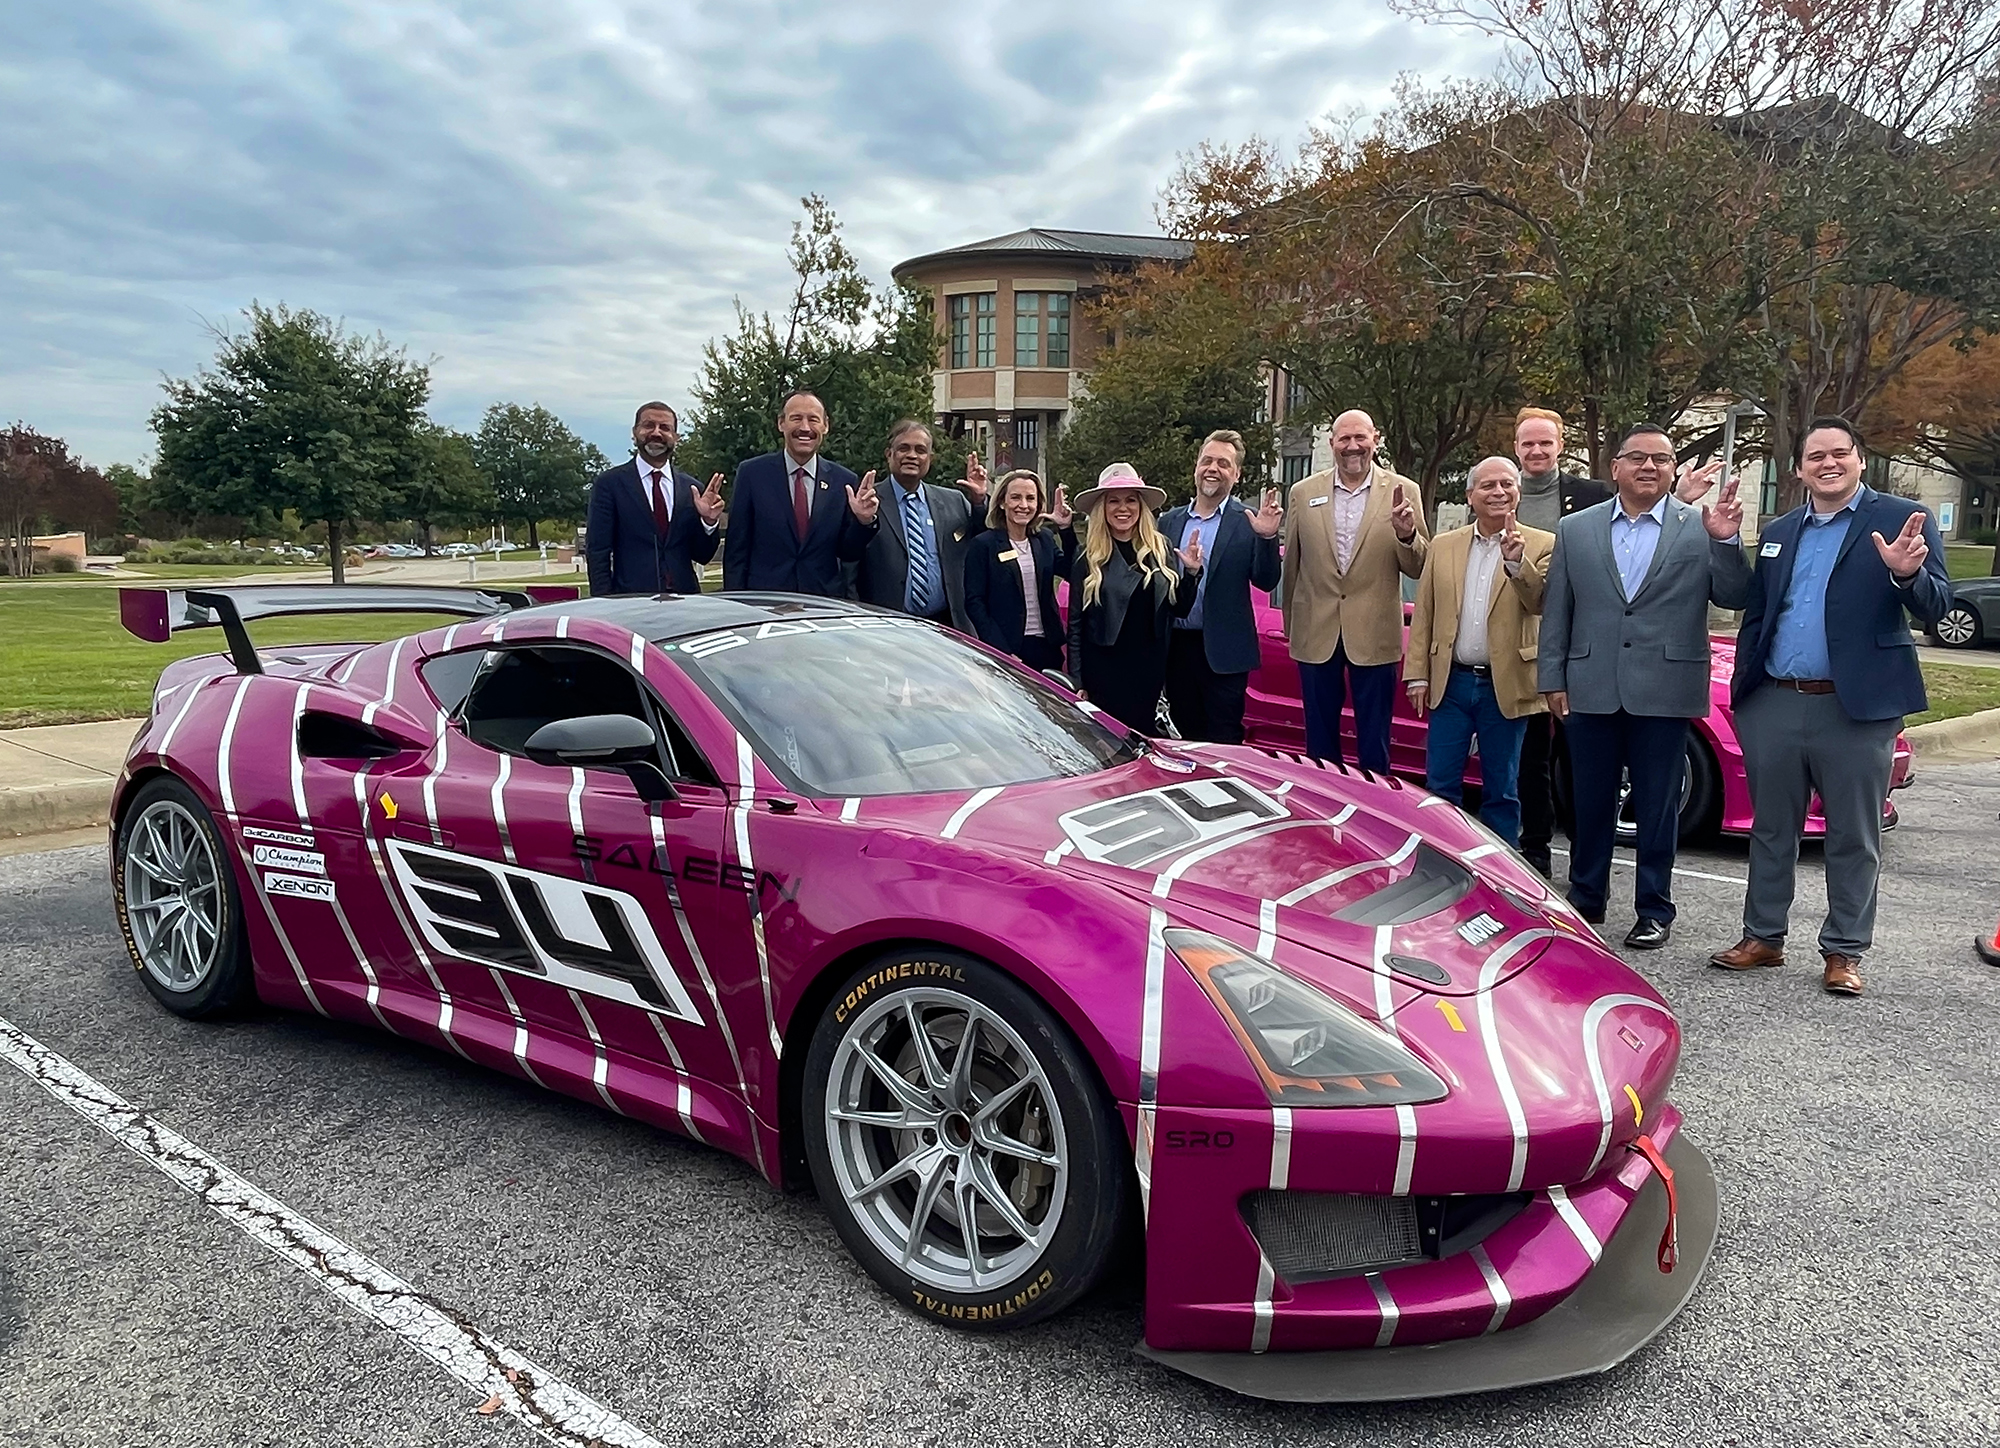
x=535, y=466
x=447, y=489
x=868, y=355
x=295, y=413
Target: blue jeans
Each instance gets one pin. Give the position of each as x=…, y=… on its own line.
x=1468, y=708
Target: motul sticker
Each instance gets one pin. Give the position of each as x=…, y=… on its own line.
x=282, y=859
x=278, y=837
x=302, y=887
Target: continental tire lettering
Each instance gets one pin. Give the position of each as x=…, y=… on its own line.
x=983, y=1311
x=902, y=970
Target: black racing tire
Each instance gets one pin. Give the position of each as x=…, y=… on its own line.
x=200, y=969
x=872, y=1174
x=1960, y=628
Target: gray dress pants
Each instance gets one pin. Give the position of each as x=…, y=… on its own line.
x=1793, y=746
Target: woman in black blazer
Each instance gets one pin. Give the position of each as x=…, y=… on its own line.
x=1013, y=556
x=1128, y=587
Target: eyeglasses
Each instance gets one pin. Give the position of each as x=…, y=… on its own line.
x=1664, y=460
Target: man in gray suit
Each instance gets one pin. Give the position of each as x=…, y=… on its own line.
x=916, y=561
x=1624, y=662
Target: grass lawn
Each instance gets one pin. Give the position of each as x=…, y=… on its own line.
x=65, y=659
x=1957, y=689
x=1968, y=560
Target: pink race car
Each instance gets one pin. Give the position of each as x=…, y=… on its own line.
x=1714, y=793
x=878, y=910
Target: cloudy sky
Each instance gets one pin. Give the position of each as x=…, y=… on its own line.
x=559, y=200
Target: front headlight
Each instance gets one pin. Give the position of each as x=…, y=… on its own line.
x=1308, y=1048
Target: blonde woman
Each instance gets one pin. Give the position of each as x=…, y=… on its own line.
x=1125, y=593
x=1011, y=571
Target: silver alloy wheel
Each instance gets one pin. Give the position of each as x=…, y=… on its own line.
x=173, y=896
x=939, y=1116
x=1958, y=627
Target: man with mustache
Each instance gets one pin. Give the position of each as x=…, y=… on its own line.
x=649, y=528
x=794, y=516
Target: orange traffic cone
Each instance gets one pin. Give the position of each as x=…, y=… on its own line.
x=1989, y=950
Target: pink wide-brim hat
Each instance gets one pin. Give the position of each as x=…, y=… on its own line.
x=1119, y=478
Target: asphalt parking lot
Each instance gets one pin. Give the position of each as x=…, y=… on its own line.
x=1851, y=1300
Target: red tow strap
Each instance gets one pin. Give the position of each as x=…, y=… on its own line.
x=1670, y=1240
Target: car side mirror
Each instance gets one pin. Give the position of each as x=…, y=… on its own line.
x=598, y=741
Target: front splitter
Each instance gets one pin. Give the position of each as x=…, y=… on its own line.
x=1619, y=1308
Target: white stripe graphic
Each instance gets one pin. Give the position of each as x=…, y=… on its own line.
x=746, y=772
x=683, y=1098
x=500, y=807
x=1496, y=1285
x=167, y=739
x=1054, y=857
x=1573, y=1219
x=361, y=960
x=1267, y=1278
x=1391, y=1314
x=600, y=1066
x=965, y=811
x=520, y=1029
x=850, y=810
x=1592, y=1018
x=550, y=1407
x=396, y=907
x=1489, y=971
x=1149, y=1054
x=225, y=785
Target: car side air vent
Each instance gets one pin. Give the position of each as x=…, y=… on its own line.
x=329, y=736
x=1436, y=883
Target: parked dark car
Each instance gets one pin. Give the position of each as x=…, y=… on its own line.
x=1974, y=616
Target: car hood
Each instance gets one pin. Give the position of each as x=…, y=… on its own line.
x=1367, y=886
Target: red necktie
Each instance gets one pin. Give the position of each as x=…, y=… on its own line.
x=659, y=505
x=801, y=508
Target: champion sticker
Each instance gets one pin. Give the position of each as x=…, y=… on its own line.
x=303, y=887
x=278, y=837
x=283, y=859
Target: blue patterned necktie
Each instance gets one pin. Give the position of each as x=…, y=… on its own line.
x=918, y=547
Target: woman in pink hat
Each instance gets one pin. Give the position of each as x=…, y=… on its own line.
x=1125, y=593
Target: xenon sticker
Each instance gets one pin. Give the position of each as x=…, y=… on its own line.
x=300, y=887
x=573, y=934
x=279, y=858
x=1136, y=828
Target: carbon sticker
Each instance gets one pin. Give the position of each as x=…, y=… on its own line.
x=278, y=837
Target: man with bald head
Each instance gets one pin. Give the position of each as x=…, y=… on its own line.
x=1472, y=645
x=1351, y=534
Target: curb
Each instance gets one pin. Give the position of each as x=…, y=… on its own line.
x=47, y=808
x=1970, y=736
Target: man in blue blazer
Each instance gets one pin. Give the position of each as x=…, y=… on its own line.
x=794, y=516
x=1211, y=652
x=1825, y=671
x=648, y=525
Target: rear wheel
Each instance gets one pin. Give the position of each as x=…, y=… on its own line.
x=961, y=1141
x=178, y=903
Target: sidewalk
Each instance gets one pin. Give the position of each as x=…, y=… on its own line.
x=59, y=777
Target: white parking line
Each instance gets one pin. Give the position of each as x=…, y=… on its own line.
x=551, y=1408
x=1630, y=864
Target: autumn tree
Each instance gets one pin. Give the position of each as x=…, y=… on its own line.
x=1945, y=409
x=533, y=465
x=295, y=413
x=46, y=488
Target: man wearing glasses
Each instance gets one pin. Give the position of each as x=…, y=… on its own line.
x=1825, y=671
x=1624, y=662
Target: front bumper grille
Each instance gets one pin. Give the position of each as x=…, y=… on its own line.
x=1313, y=1236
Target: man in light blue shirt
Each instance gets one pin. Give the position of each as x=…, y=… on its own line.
x=1798, y=643
x=1633, y=539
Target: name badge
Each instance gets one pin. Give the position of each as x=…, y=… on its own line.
x=1770, y=550
x=1315, y=502
x=1010, y=555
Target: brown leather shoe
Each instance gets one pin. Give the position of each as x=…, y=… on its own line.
x=1747, y=954
x=1843, y=975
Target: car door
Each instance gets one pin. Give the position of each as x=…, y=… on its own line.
x=559, y=885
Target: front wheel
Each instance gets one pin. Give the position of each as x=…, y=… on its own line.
x=962, y=1141
x=1958, y=629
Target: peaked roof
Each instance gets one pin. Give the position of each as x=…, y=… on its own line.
x=1105, y=247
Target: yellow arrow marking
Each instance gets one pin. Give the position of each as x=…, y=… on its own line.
x=388, y=805
x=1451, y=1015
x=1638, y=1111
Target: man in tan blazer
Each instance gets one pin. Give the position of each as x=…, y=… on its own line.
x=1351, y=533
x=1472, y=645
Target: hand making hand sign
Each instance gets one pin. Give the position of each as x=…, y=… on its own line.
x=1191, y=554
x=1695, y=482
x=1512, y=544
x=1906, y=555
x=1059, y=511
x=1402, y=516
x=708, y=502
x=862, y=501
x=1724, y=517
x=975, y=481
x=1269, y=516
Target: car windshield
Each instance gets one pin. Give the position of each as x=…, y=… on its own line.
x=877, y=704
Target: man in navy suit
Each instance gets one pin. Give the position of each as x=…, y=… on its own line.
x=648, y=525
x=794, y=516
x=1825, y=671
x=1211, y=652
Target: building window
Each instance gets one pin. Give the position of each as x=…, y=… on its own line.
x=986, y=330
x=1058, y=329
x=1296, y=468
x=1295, y=397
x=1875, y=472
x=1027, y=434
x=961, y=331
x=1027, y=329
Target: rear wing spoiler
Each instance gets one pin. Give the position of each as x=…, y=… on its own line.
x=157, y=614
